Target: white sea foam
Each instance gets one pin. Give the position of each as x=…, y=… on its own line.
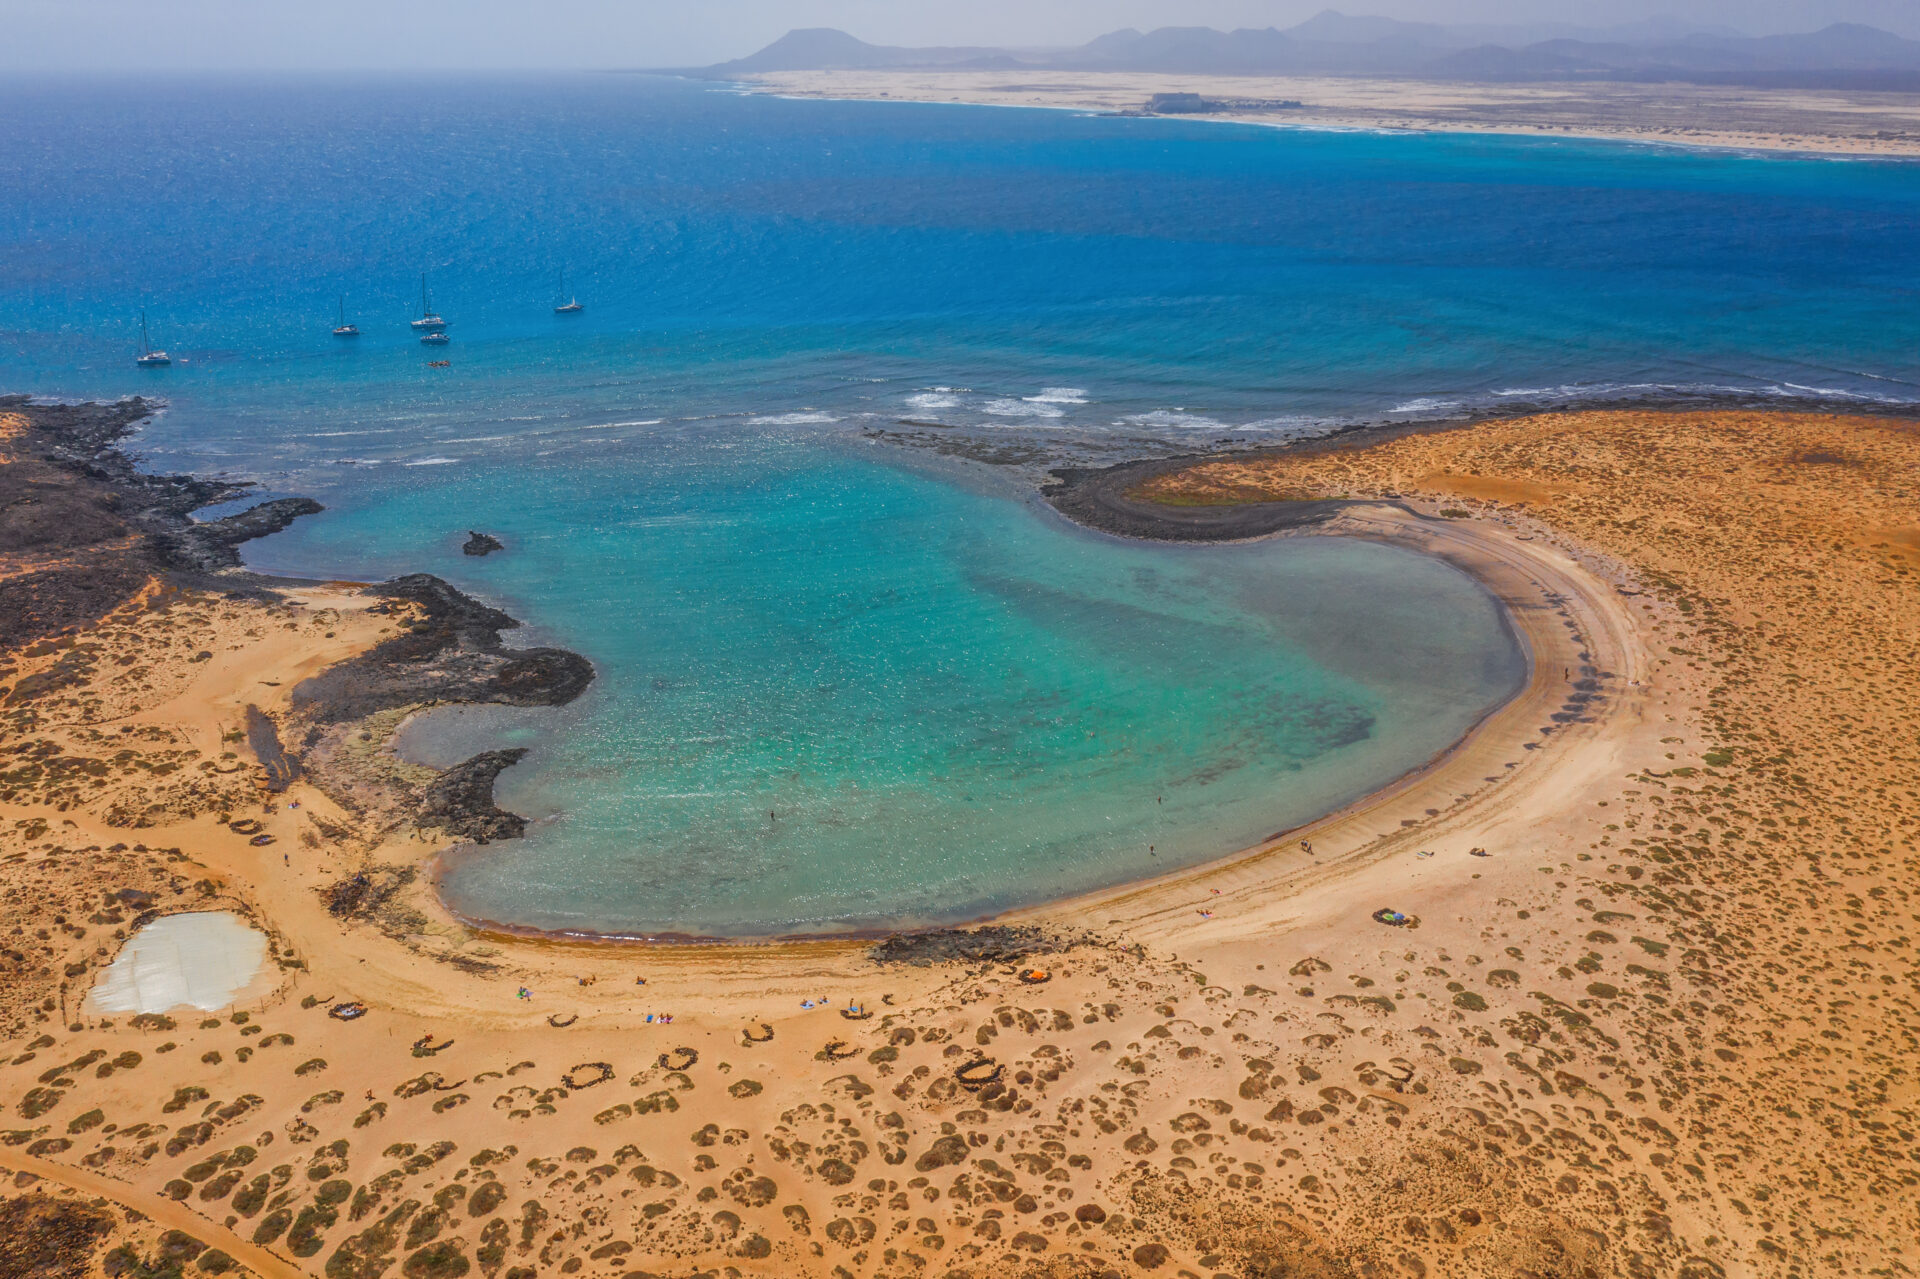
x=1059, y=395
x=432, y=461
x=1426, y=404
x=1693, y=390
x=1175, y=420
x=200, y=960
x=1020, y=408
x=1835, y=393
x=1609, y=390
x=608, y=426
x=933, y=400
x=792, y=419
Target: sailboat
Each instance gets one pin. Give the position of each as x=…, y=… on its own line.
x=572, y=305
x=343, y=329
x=428, y=321
x=150, y=358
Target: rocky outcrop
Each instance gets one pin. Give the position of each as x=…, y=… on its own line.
x=451, y=654
x=103, y=495
x=1103, y=499
x=460, y=800
x=214, y=545
x=993, y=944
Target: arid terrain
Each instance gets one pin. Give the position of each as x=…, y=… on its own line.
x=1642, y=1003
x=1839, y=121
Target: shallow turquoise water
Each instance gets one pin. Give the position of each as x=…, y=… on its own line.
x=837, y=692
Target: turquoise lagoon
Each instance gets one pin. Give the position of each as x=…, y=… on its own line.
x=839, y=690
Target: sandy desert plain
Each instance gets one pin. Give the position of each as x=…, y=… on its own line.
x=1651, y=1011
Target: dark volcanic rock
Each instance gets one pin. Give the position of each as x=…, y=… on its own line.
x=460, y=800
x=62, y=497
x=481, y=544
x=69, y=494
x=364, y=894
x=454, y=655
x=1101, y=499
x=68, y=491
x=102, y=496
x=995, y=943
x=212, y=546
x=35, y=606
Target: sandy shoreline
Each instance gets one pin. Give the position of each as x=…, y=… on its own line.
x=1580, y=1057
x=1829, y=122
x=1575, y=633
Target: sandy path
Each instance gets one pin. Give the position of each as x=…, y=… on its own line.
x=169, y=1214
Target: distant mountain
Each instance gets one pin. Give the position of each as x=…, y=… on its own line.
x=1520, y=35
x=1844, y=45
x=1111, y=44
x=826, y=49
x=1838, y=55
x=1333, y=43
x=1188, y=49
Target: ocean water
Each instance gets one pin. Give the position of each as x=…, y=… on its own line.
x=843, y=682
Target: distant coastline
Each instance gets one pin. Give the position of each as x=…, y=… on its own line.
x=1852, y=123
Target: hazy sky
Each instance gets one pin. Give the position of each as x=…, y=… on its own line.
x=243, y=34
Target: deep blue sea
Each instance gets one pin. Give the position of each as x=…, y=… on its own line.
x=843, y=682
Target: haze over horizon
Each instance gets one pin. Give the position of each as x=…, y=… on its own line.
x=114, y=35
